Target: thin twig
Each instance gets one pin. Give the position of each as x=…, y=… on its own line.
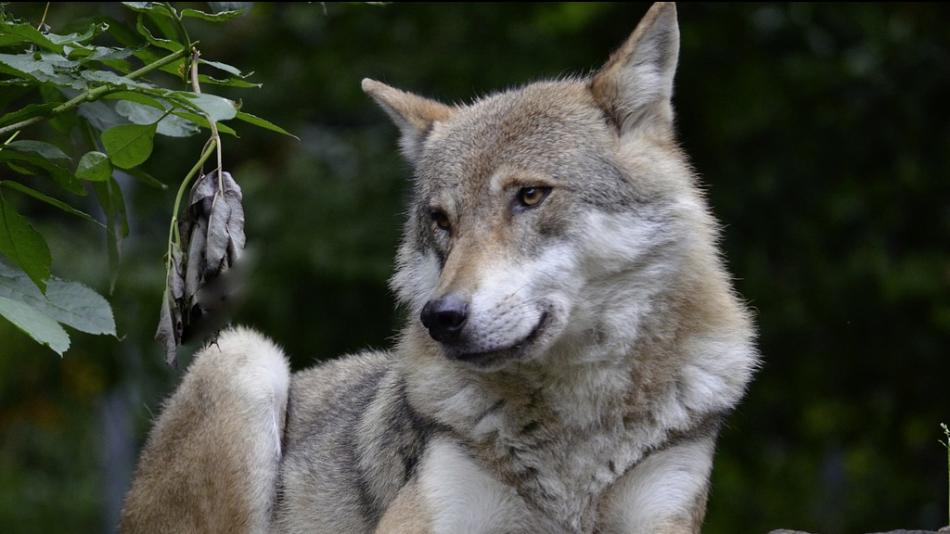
x=195, y=56
x=176, y=17
x=214, y=143
x=94, y=93
x=43, y=18
x=174, y=239
x=10, y=139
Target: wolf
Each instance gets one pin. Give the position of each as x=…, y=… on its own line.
x=571, y=347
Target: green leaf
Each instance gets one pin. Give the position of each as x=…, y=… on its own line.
x=124, y=36
x=138, y=98
x=86, y=53
x=263, y=123
x=117, y=224
x=168, y=125
x=167, y=26
x=166, y=44
x=175, y=68
x=138, y=113
x=26, y=33
x=42, y=67
x=9, y=97
x=26, y=64
x=203, y=122
x=100, y=115
x=17, y=186
x=20, y=169
x=146, y=178
x=107, y=77
x=218, y=7
x=70, y=303
x=220, y=109
x=35, y=157
x=152, y=8
x=23, y=245
x=102, y=54
x=46, y=150
x=31, y=110
x=129, y=145
x=234, y=71
x=64, y=122
x=230, y=82
x=77, y=39
x=94, y=166
x=173, y=126
x=17, y=84
x=38, y=326
x=211, y=17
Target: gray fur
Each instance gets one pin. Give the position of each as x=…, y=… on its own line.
x=603, y=346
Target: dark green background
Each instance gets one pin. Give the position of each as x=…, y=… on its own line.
x=821, y=132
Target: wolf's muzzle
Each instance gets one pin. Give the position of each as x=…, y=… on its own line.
x=445, y=317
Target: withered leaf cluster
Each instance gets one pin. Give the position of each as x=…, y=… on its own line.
x=212, y=242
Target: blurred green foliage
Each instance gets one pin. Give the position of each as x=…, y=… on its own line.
x=822, y=133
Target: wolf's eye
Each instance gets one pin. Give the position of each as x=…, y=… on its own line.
x=440, y=219
x=530, y=197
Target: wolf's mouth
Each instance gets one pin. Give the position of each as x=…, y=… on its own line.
x=489, y=357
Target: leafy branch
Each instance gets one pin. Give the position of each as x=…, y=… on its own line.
x=93, y=94
x=80, y=85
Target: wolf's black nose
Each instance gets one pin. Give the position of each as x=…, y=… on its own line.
x=445, y=317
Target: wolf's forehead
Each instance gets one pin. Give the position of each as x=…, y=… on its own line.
x=549, y=129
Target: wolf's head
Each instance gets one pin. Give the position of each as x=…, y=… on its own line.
x=549, y=214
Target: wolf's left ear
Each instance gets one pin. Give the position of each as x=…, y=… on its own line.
x=635, y=86
x=414, y=115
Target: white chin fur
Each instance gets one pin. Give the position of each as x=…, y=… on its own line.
x=512, y=299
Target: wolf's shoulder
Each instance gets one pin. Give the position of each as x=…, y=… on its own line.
x=352, y=441
x=344, y=382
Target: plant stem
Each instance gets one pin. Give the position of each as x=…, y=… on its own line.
x=213, y=144
x=158, y=63
x=43, y=19
x=174, y=239
x=95, y=93
x=195, y=56
x=176, y=17
x=10, y=139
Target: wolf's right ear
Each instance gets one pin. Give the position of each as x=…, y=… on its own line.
x=635, y=86
x=413, y=114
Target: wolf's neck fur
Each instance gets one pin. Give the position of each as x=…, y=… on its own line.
x=563, y=428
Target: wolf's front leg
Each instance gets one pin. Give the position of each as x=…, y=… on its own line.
x=663, y=494
x=212, y=458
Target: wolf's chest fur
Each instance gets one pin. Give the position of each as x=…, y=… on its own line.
x=561, y=436
x=517, y=453
x=559, y=467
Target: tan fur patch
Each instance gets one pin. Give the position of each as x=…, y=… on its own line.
x=407, y=514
